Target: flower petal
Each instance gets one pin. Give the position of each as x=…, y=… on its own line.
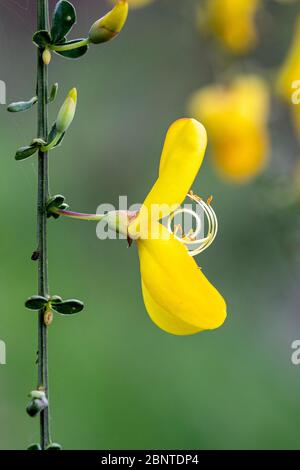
x=181, y=159
x=165, y=320
x=177, y=295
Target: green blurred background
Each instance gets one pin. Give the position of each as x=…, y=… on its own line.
x=116, y=380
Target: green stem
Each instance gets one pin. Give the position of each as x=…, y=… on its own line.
x=118, y=221
x=69, y=47
x=79, y=215
x=43, y=191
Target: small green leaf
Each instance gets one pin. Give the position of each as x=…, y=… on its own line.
x=26, y=152
x=42, y=38
x=54, y=446
x=62, y=41
x=63, y=20
x=22, y=105
x=53, y=93
x=74, y=53
x=36, y=302
x=56, y=299
x=55, y=202
x=34, y=447
x=38, y=142
x=69, y=307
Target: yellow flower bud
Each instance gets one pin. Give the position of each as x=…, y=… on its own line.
x=67, y=112
x=109, y=25
x=46, y=56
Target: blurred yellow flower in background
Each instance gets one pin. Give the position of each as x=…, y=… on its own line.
x=290, y=70
x=288, y=80
x=235, y=117
x=138, y=3
x=231, y=21
x=178, y=297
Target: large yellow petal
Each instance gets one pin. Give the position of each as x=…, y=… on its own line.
x=181, y=159
x=165, y=320
x=178, y=296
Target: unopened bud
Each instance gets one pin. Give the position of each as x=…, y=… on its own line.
x=46, y=56
x=67, y=112
x=38, y=403
x=48, y=317
x=109, y=25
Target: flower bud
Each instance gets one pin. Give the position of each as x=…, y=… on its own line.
x=109, y=25
x=38, y=403
x=67, y=112
x=48, y=317
x=46, y=57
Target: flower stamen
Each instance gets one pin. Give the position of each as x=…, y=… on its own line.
x=194, y=243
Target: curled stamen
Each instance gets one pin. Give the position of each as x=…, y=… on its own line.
x=196, y=245
x=177, y=228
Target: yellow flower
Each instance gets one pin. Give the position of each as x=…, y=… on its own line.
x=288, y=78
x=232, y=22
x=290, y=70
x=177, y=295
x=110, y=25
x=236, y=121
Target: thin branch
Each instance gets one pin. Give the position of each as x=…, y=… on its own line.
x=43, y=193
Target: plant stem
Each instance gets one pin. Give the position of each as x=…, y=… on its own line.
x=43, y=193
x=80, y=215
x=70, y=47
